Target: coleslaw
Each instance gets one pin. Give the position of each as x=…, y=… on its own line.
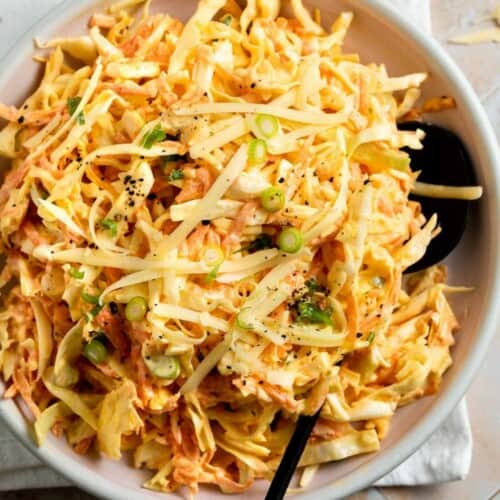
x=205, y=228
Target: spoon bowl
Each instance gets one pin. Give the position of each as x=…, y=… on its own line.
x=443, y=160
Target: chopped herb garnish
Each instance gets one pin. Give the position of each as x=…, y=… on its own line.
x=176, y=175
x=371, y=337
x=157, y=134
x=167, y=159
x=311, y=313
x=72, y=104
x=262, y=242
x=313, y=286
x=111, y=225
x=227, y=19
x=75, y=273
x=90, y=299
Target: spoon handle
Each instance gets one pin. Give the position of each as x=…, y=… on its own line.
x=288, y=464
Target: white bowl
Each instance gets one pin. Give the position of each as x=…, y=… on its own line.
x=380, y=35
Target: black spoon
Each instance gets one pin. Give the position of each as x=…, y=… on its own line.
x=443, y=160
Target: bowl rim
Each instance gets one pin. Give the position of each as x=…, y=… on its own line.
x=94, y=483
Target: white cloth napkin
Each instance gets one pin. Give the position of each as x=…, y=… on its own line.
x=446, y=456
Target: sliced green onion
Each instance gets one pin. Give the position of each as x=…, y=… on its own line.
x=95, y=351
x=136, y=309
x=272, y=199
x=257, y=151
x=227, y=20
x=157, y=134
x=213, y=256
x=110, y=224
x=267, y=125
x=90, y=299
x=311, y=313
x=290, y=240
x=75, y=273
x=94, y=300
x=243, y=319
x=163, y=366
x=90, y=315
x=212, y=274
x=371, y=337
x=95, y=310
x=176, y=175
x=71, y=104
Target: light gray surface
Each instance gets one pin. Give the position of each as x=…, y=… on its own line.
x=481, y=65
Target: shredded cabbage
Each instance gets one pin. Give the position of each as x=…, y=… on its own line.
x=44, y=337
x=117, y=417
x=48, y=418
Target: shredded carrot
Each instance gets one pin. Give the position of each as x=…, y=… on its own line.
x=130, y=45
x=196, y=239
x=83, y=446
x=13, y=179
x=238, y=226
x=99, y=180
x=193, y=189
x=144, y=386
x=26, y=389
x=113, y=328
x=112, y=274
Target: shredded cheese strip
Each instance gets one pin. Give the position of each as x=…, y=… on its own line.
x=203, y=318
x=131, y=149
x=311, y=117
x=206, y=366
x=219, y=139
x=454, y=192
